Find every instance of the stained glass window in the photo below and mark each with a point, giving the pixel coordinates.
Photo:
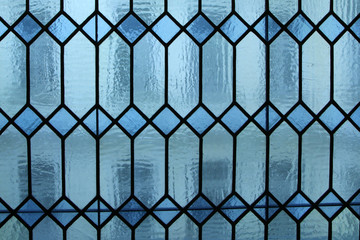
(168, 119)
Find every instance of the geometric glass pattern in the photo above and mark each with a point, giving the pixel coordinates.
(168, 119)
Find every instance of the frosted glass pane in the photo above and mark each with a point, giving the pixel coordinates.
(47, 229)
(314, 227)
(216, 228)
(283, 10)
(114, 10)
(150, 229)
(11, 10)
(250, 10)
(315, 10)
(44, 10)
(148, 10)
(282, 227)
(216, 11)
(81, 229)
(250, 227)
(183, 228)
(79, 10)
(346, 10)
(115, 229)
(14, 229)
(345, 226)
(184, 10)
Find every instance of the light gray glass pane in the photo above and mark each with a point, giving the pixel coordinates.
(314, 227)
(14, 229)
(184, 10)
(81, 229)
(13, 69)
(115, 164)
(183, 228)
(79, 10)
(149, 74)
(250, 10)
(114, 10)
(46, 167)
(217, 164)
(80, 178)
(183, 74)
(283, 162)
(346, 10)
(47, 229)
(250, 73)
(148, 10)
(284, 72)
(345, 226)
(250, 163)
(282, 227)
(11, 10)
(183, 165)
(115, 229)
(316, 72)
(315, 10)
(79, 74)
(44, 10)
(216, 11)
(45, 74)
(217, 74)
(346, 72)
(284, 9)
(250, 227)
(149, 166)
(346, 164)
(315, 161)
(13, 167)
(150, 229)
(216, 228)
(114, 75)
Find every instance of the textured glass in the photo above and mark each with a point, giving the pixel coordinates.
(168, 119)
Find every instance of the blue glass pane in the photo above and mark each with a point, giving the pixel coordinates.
(28, 121)
(27, 28)
(132, 121)
(3, 28)
(166, 211)
(300, 27)
(4, 213)
(234, 119)
(62, 121)
(234, 28)
(266, 207)
(298, 206)
(355, 204)
(355, 27)
(331, 117)
(267, 116)
(62, 28)
(132, 212)
(3, 121)
(166, 29)
(300, 117)
(98, 212)
(102, 29)
(200, 120)
(267, 28)
(166, 121)
(356, 116)
(200, 209)
(200, 29)
(64, 212)
(330, 204)
(30, 212)
(233, 208)
(331, 28)
(131, 28)
(97, 121)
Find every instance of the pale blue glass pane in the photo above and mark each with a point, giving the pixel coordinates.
(3, 29)
(314, 227)
(28, 121)
(44, 10)
(14, 229)
(200, 209)
(62, 121)
(200, 120)
(267, 118)
(331, 28)
(234, 28)
(300, 27)
(234, 119)
(64, 212)
(165, 211)
(355, 27)
(250, 227)
(148, 10)
(300, 117)
(150, 229)
(132, 212)
(216, 11)
(30, 212)
(47, 229)
(233, 208)
(97, 121)
(81, 229)
(166, 29)
(330, 204)
(282, 227)
(132, 121)
(79, 10)
(166, 121)
(216, 228)
(11, 10)
(331, 117)
(298, 206)
(283, 10)
(267, 28)
(102, 28)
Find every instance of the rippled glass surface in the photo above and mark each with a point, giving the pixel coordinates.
(167, 119)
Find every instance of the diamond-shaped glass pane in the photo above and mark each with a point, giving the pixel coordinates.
(200, 120)
(300, 117)
(3, 121)
(266, 207)
(200, 209)
(331, 28)
(64, 212)
(100, 119)
(267, 116)
(233, 28)
(200, 29)
(62, 121)
(62, 28)
(166, 29)
(131, 28)
(30, 212)
(166, 211)
(233, 208)
(355, 204)
(28, 121)
(331, 117)
(102, 29)
(27, 28)
(298, 206)
(132, 121)
(3, 28)
(267, 28)
(355, 28)
(300, 27)
(234, 119)
(4, 212)
(132, 212)
(355, 117)
(330, 204)
(98, 212)
(166, 121)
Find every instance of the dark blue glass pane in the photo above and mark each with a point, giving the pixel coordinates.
(3, 121)
(331, 28)
(298, 206)
(200, 120)
(62, 121)
(233, 208)
(300, 117)
(166, 29)
(267, 28)
(200, 29)
(356, 116)
(132, 121)
(166, 121)
(166, 211)
(132, 212)
(30, 212)
(266, 207)
(331, 117)
(64, 212)
(234, 28)
(330, 204)
(28, 121)
(200, 209)
(93, 212)
(300, 27)
(27, 28)
(62, 28)
(131, 28)
(234, 119)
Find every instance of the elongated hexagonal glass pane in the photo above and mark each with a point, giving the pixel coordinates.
(283, 10)
(14, 229)
(216, 11)
(315, 10)
(282, 227)
(345, 226)
(217, 228)
(250, 227)
(346, 10)
(81, 229)
(11, 10)
(183, 11)
(314, 227)
(79, 10)
(47, 229)
(150, 229)
(114, 10)
(148, 10)
(44, 10)
(183, 228)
